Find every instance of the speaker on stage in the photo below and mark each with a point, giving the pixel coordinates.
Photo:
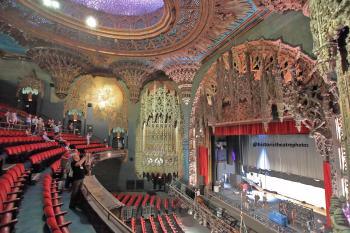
(140, 184)
(130, 184)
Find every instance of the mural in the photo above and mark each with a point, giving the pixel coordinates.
(158, 139)
(106, 96)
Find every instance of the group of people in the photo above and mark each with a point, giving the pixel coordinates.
(159, 179)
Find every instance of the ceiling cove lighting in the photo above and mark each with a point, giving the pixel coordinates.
(91, 22)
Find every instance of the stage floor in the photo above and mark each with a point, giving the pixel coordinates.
(233, 195)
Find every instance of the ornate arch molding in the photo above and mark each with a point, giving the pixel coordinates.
(247, 80)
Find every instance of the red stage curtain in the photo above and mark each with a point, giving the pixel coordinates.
(286, 127)
(203, 163)
(327, 188)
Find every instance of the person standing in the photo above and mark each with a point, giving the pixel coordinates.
(78, 178)
(28, 120)
(88, 137)
(34, 124)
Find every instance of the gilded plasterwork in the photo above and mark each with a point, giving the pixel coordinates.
(158, 140)
(106, 96)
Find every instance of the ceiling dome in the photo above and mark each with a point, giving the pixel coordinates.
(123, 7)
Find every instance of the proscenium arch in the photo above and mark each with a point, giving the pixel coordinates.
(297, 83)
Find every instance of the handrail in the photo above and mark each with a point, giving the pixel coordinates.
(200, 208)
(110, 215)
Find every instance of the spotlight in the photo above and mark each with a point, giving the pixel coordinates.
(91, 22)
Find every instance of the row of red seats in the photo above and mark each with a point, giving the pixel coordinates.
(158, 203)
(89, 146)
(171, 224)
(38, 158)
(12, 133)
(153, 224)
(160, 220)
(145, 200)
(125, 199)
(11, 191)
(7, 140)
(52, 207)
(178, 222)
(131, 200)
(14, 150)
(143, 225)
(56, 167)
(98, 149)
(138, 201)
(133, 225)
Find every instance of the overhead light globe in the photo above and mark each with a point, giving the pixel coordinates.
(47, 3)
(55, 4)
(91, 22)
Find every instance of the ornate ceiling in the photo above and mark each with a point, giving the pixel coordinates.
(155, 29)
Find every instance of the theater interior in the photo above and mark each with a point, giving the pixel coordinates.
(171, 116)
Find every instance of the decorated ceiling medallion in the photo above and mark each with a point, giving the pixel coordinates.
(123, 7)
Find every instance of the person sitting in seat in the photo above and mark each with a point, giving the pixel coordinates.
(46, 138)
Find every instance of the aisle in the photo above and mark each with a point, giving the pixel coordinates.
(30, 217)
(80, 222)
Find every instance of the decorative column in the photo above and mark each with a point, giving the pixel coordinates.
(63, 66)
(183, 75)
(134, 74)
(329, 23)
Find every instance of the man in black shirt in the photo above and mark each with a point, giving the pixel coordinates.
(78, 177)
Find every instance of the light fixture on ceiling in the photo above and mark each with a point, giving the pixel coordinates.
(51, 4)
(91, 22)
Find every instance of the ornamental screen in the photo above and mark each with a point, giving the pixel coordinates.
(159, 147)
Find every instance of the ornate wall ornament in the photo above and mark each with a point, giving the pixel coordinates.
(134, 74)
(158, 140)
(329, 24)
(283, 6)
(32, 83)
(106, 95)
(63, 66)
(245, 82)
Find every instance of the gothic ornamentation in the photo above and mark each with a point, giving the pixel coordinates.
(63, 66)
(159, 133)
(247, 81)
(134, 74)
(329, 24)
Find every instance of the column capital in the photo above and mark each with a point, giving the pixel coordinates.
(183, 75)
(63, 66)
(134, 74)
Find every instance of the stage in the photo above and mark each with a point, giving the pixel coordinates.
(233, 196)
